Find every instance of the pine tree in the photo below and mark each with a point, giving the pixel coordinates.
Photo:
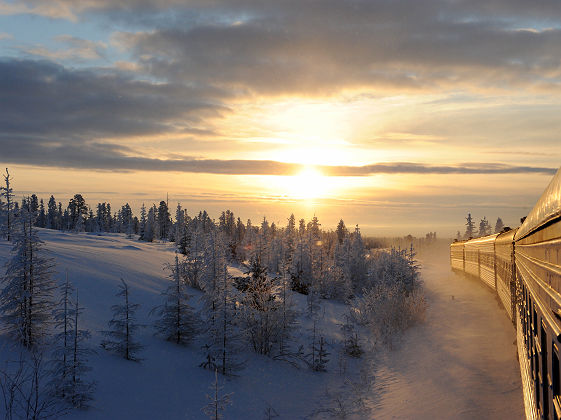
(261, 313)
(52, 213)
(220, 315)
(123, 326)
(26, 300)
(177, 322)
(164, 221)
(69, 361)
(217, 403)
(194, 266)
(499, 226)
(351, 340)
(288, 315)
(484, 228)
(317, 358)
(341, 231)
(142, 228)
(42, 218)
(179, 226)
(8, 193)
(470, 227)
(150, 228)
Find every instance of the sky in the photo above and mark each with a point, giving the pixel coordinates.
(400, 116)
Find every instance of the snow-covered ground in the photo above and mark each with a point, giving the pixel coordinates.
(461, 363)
(169, 383)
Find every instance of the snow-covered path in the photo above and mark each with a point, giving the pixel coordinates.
(460, 364)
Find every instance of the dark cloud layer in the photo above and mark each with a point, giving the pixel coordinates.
(320, 47)
(120, 158)
(47, 101)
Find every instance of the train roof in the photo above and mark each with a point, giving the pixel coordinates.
(506, 237)
(482, 239)
(546, 209)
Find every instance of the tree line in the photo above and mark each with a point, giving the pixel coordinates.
(483, 230)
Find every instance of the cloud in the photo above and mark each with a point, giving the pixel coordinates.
(116, 157)
(54, 104)
(74, 48)
(312, 47)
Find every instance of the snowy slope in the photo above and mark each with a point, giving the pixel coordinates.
(168, 383)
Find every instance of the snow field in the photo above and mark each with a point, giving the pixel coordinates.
(169, 383)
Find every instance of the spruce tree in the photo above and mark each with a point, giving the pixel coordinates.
(69, 361)
(7, 192)
(122, 327)
(217, 403)
(261, 313)
(499, 226)
(26, 299)
(177, 322)
(221, 317)
(470, 227)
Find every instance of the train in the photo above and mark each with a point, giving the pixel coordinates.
(523, 267)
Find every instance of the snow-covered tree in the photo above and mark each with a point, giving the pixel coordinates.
(7, 192)
(150, 228)
(484, 227)
(261, 315)
(194, 264)
(24, 386)
(179, 225)
(79, 226)
(42, 217)
(358, 265)
(77, 210)
(499, 226)
(351, 341)
(217, 403)
(287, 313)
(164, 221)
(52, 214)
(392, 299)
(341, 231)
(26, 298)
(177, 321)
(220, 315)
(318, 356)
(69, 362)
(120, 338)
(301, 270)
(142, 225)
(470, 227)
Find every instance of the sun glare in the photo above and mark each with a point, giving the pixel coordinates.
(308, 184)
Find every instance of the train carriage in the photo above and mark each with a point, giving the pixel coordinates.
(538, 269)
(505, 272)
(457, 255)
(480, 259)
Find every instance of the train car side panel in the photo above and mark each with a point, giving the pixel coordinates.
(505, 272)
(457, 256)
(480, 259)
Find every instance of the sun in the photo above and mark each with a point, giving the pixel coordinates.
(308, 184)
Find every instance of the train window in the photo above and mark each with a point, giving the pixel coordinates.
(544, 371)
(535, 322)
(556, 382)
(537, 379)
